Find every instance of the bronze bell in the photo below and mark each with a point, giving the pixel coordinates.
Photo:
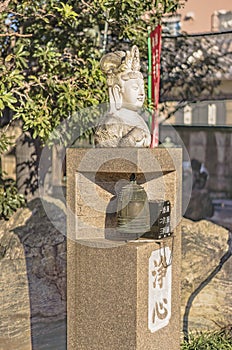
(133, 216)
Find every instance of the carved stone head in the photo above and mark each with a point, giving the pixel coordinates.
(124, 79)
(122, 125)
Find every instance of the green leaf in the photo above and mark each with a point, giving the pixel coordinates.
(2, 106)
(9, 58)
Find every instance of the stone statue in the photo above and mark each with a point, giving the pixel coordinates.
(122, 126)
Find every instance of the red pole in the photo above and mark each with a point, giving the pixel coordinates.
(155, 36)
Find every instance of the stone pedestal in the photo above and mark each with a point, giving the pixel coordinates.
(121, 295)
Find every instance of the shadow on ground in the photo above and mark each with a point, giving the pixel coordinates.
(45, 253)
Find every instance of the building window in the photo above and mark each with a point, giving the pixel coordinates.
(187, 115)
(171, 25)
(225, 20)
(221, 21)
(212, 111)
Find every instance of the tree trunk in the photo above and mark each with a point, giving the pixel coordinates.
(28, 153)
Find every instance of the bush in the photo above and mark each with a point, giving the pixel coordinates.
(10, 199)
(220, 340)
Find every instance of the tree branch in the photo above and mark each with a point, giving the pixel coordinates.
(16, 34)
(4, 5)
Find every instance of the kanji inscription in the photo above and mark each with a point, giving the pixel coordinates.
(159, 293)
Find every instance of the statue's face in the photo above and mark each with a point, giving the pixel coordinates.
(133, 94)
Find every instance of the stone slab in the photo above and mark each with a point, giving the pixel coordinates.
(95, 176)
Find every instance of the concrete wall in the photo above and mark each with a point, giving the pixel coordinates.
(211, 146)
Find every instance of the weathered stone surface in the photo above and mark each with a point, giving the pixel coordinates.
(206, 275)
(14, 291)
(33, 274)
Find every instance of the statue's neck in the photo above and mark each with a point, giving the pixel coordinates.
(126, 113)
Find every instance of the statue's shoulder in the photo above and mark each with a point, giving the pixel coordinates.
(109, 131)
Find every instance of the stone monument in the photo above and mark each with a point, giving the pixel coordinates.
(123, 293)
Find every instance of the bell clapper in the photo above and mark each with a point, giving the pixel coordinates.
(133, 177)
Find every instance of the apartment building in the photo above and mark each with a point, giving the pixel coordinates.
(205, 126)
(211, 22)
(206, 16)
